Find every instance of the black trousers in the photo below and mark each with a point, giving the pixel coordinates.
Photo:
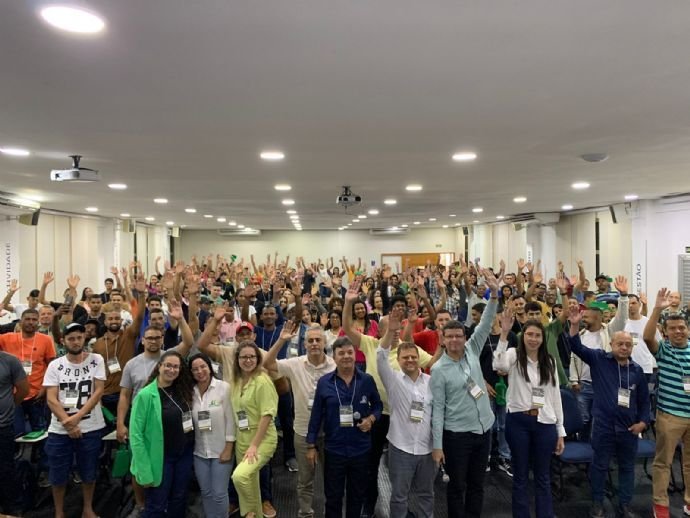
(466, 457)
(340, 472)
(378, 440)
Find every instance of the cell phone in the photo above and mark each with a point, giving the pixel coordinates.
(373, 263)
(69, 299)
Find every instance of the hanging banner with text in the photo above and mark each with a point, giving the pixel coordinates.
(9, 241)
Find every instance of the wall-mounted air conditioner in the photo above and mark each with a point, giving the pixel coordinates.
(234, 232)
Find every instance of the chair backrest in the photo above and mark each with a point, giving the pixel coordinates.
(571, 413)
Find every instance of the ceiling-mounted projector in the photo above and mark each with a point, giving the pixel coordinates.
(75, 174)
(347, 199)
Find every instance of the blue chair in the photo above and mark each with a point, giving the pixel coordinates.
(576, 452)
(646, 449)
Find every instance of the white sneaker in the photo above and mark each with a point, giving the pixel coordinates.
(686, 510)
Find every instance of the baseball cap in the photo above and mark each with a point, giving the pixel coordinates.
(205, 299)
(603, 276)
(73, 327)
(246, 325)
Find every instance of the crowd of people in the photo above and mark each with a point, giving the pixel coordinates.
(203, 369)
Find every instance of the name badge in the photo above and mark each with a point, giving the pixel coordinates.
(187, 423)
(686, 384)
(113, 365)
(242, 421)
(417, 411)
(293, 352)
(204, 420)
(474, 389)
(346, 416)
(538, 399)
(71, 398)
(624, 397)
(26, 365)
(215, 367)
(310, 401)
(636, 339)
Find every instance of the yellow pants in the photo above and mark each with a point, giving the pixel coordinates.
(669, 430)
(246, 476)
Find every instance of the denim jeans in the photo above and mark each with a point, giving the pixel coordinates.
(584, 402)
(286, 415)
(213, 478)
(606, 442)
(341, 472)
(411, 474)
(532, 444)
(500, 429)
(8, 487)
(466, 455)
(169, 499)
(37, 413)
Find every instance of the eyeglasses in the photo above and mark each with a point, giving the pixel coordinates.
(247, 358)
(313, 340)
(152, 337)
(171, 366)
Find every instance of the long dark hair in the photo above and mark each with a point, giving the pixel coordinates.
(545, 361)
(334, 312)
(183, 384)
(367, 320)
(205, 359)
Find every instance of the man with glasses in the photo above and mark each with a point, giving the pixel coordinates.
(462, 417)
(134, 377)
(304, 373)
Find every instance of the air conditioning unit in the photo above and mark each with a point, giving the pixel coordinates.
(390, 231)
(234, 232)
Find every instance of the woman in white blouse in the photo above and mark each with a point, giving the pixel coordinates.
(214, 431)
(534, 423)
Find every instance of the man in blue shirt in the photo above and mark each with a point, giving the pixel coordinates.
(347, 404)
(620, 412)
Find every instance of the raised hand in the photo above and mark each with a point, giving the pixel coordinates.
(113, 270)
(621, 284)
(520, 264)
(491, 280)
(48, 277)
(506, 319)
(395, 319)
(323, 318)
(662, 301)
(73, 281)
(643, 298)
(537, 277)
(175, 310)
(219, 312)
(575, 316)
(192, 283)
(561, 266)
(289, 331)
(140, 284)
(561, 282)
(352, 293)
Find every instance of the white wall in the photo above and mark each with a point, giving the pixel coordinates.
(315, 244)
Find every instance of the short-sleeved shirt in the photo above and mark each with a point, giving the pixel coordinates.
(67, 376)
(11, 373)
(674, 364)
(136, 373)
(121, 349)
(257, 399)
(37, 350)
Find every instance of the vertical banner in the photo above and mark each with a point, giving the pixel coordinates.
(640, 214)
(9, 241)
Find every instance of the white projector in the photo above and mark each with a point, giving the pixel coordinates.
(74, 175)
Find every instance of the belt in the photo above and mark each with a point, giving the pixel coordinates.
(534, 412)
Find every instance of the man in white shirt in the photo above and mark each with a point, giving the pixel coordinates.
(304, 373)
(410, 464)
(74, 385)
(635, 326)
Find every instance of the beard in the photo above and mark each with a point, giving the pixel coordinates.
(114, 328)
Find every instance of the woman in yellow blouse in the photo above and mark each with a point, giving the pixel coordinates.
(255, 404)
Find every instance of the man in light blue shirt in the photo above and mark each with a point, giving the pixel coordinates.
(462, 416)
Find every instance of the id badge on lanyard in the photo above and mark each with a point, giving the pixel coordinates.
(417, 411)
(187, 422)
(71, 398)
(624, 397)
(686, 384)
(204, 420)
(26, 365)
(538, 398)
(346, 416)
(113, 365)
(474, 389)
(242, 420)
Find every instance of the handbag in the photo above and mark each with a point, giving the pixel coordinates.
(121, 462)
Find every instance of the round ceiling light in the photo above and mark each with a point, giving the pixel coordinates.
(71, 19)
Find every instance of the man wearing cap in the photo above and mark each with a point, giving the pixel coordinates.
(74, 385)
(604, 292)
(596, 335)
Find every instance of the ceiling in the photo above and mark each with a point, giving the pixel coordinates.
(177, 99)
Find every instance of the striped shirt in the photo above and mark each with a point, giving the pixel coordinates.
(674, 365)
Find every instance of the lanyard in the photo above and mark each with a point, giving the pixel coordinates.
(354, 390)
(33, 342)
(263, 336)
(106, 347)
(675, 359)
(619, 375)
(174, 403)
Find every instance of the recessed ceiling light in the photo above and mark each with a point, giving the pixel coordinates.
(355, 220)
(631, 197)
(594, 157)
(272, 156)
(294, 217)
(190, 211)
(567, 207)
(14, 151)
(477, 210)
(395, 228)
(291, 211)
(500, 217)
(580, 185)
(240, 226)
(91, 209)
(220, 220)
(390, 201)
(299, 229)
(432, 219)
(451, 215)
(169, 223)
(519, 199)
(282, 187)
(415, 222)
(362, 216)
(374, 212)
(476, 221)
(349, 224)
(444, 226)
(341, 228)
(232, 223)
(208, 216)
(150, 218)
(160, 200)
(72, 20)
(415, 187)
(124, 214)
(118, 186)
(464, 156)
(288, 202)
(405, 225)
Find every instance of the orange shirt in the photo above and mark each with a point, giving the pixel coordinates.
(38, 350)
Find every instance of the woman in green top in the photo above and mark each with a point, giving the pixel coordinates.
(161, 435)
(255, 403)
